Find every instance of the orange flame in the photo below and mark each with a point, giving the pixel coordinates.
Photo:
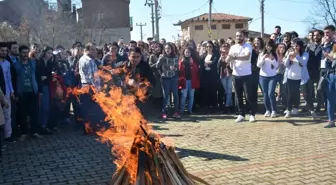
(123, 115)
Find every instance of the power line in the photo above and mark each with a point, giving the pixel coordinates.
(175, 15)
(284, 19)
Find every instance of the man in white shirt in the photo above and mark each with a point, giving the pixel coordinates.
(240, 60)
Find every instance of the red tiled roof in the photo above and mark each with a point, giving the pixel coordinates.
(217, 17)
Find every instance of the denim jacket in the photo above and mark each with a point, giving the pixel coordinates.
(20, 76)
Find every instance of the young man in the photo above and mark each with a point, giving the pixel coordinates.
(138, 71)
(7, 88)
(315, 49)
(240, 59)
(27, 92)
(278, 35)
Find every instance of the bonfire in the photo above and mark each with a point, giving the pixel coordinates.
(141, 157)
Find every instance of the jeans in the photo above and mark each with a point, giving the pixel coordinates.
(293, 92)
(170, 85)
(242, 84)
(8, 119)
(331, 93)
(283, 91)
(268, 85)
(28, 107)
(190, 92)
(44, 107)
(307, 90)
(227, 85)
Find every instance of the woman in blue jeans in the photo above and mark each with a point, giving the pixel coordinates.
(268, 64)
(225, 75)
(189, 79)
(168, 67)
(44, 76)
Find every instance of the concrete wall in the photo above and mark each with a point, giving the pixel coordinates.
(189, 31)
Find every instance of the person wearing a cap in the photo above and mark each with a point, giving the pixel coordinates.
(7, 88)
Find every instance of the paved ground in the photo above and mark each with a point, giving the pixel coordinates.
(271, 151)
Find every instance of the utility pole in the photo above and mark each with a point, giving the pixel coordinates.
(209, 18)
(141, 25)
(157, 18)
(262, 11)
(151, 4)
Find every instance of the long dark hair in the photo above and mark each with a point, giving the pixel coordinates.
(45, 50)
(261, 41)
(213, 47)
(301, 44)
(172, 54)
(272, 44)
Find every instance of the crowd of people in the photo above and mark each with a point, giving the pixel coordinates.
(185, 77)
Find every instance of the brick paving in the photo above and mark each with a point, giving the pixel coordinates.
(271, 151)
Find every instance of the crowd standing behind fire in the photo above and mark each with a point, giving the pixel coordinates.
(184, 76)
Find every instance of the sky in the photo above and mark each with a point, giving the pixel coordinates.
(289, 14)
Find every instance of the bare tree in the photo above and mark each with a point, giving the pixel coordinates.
(325, 11)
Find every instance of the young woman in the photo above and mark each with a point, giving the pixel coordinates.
(168, 65)
(258, 47)
(44, 76)
(225, 75)
(296, 73)
(331, 90)
(188, 79)
(282, 95)
(209, 77)
(268, 64)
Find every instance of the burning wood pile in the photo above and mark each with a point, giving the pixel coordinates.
(141, 158)
(157, 164)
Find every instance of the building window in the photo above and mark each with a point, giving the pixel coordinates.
(239, 26)
(198, 27)
(226, 26)
(213, 27)
(100, 16)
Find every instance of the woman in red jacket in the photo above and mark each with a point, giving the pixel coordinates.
(189, 79)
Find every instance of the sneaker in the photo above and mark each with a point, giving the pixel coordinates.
(330, 124)
(164, 116)
(176, 115)
(239, 119)
(274, 114)
(295, 111)
(288, 114)
(267, 114)
(37, 136)
(10, 140)
(23, 137)
(252, 119)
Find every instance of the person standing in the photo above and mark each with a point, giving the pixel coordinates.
(27, 91)
(43, 70)
(209, 77)
(7, 88)
(225, 75)
(240, 61)
(168, 65)
(87, 70)
(3, 105)
(189, 79)
(296, 74)
(268, 64)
